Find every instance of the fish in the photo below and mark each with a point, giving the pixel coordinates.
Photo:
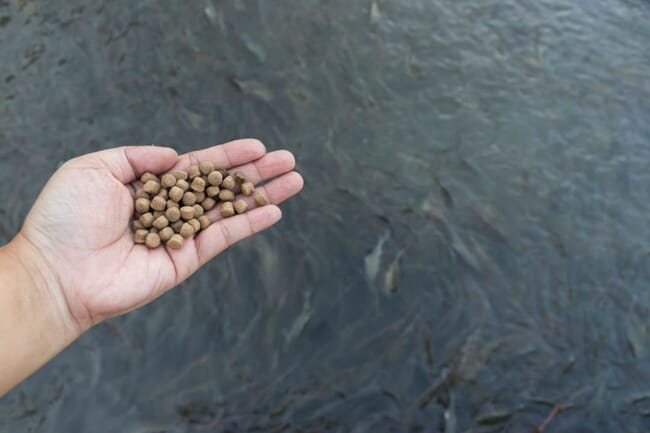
(391, 278)
(373, 260)
(300, 322)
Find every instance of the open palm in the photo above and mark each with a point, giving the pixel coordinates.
(80, 224)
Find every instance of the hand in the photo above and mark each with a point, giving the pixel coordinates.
(79, 228)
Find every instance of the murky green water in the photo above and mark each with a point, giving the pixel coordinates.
(500, 147)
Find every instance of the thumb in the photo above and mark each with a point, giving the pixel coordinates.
(128, 163)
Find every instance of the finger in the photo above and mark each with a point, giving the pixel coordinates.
(128, 163)
(275, 192)
(270, 165)
(226, 155)
(225, 233)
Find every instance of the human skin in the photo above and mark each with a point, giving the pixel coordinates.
(74, 263)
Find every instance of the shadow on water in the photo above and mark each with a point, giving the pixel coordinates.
(470, 252)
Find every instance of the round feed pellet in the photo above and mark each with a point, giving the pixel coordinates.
(173, 214)
(239, 177)
(146, 219)
(198, 210)
(168, 180)
(175, 242)
(141, 194)
(228, 183)
(152, 240)
(187, 212)
(161, 222)
(171, 203)
(240, 206)
(157, 214)
(147, 176)
(180, 175)
(206, 167)
(163, 193)
(183, 184)
(196, 225)
(142, 205)
(189, 198)
(215, 178)
(193, 172)
(208, 203)
(198, 184)
(151, 187)
(177, 225)
(187, 230)
(137, 225)
(158, 203)
(226, 195)
(227, 209)
(205, 222)
(260, 199)
(212, 191)
(166, 234)
(247, 188)
(140, 235)
(200, 196)
(176, 193)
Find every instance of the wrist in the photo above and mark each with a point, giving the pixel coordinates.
(41, 288)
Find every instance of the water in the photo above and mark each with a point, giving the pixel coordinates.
(502, 145)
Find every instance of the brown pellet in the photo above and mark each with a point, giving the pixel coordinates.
(153, 230)
(177, 226)
(206, 167)
(166, 234)
(142, 205)
(247, 188)
(193, 172)
(240, 206)
(195, 224)
(198, 184)
(171, 203)
(227, 209)
(161, 222)
(187, 230)
(147, 176)
(226, 195)
(183, 184)
(152, 240)
(151, 187)
(260, 199)
(208, 203)
(146, 219)
(200, 196)
(228, 183)
(158, 203)
(141, 194)
(180, 175)
(215, 178)
(239, 177)
(205, 222)
(168, 180)
(137, 225)
(176, 193)
(212, 191)
(140, 235)
(175, 242)
(189, 198)
(157, 214)
(173, 214)
(187, 212)
(198, 210)
(163, 193)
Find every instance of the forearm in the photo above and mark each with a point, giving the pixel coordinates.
(33, 322)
